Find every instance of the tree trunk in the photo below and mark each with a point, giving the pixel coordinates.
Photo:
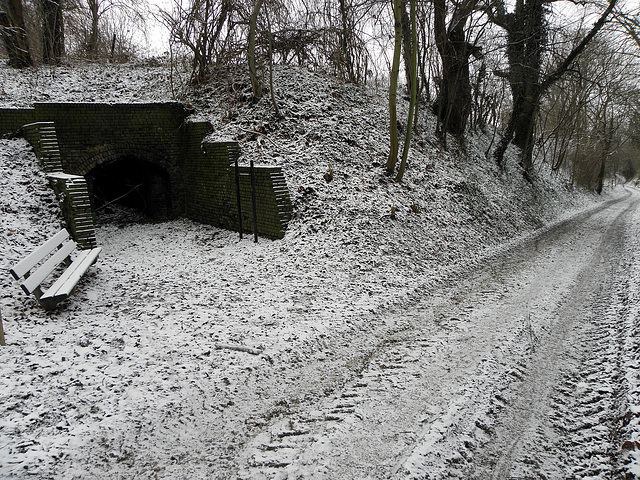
(345, 42)
(52, 31)
(479, 119)
(526, 34)
(525, 110)
(453, 104)
(406, 43)
(527, 39)
(14, 34)
(92, 41)
(413, 77)
(256, 85)
(393, 91)
(201, 50)
(609, 132)
(271, 89)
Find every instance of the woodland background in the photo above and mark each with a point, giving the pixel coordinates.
(557, 79)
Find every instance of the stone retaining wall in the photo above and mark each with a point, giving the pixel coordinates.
(202, 183)
(12, 119)
(71, 189)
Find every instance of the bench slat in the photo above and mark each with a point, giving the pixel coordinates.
(24, 266)
(64, 285)
(44, 270)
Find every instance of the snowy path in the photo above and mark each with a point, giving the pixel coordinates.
(187, 354)
(513, 368)
(511, 372)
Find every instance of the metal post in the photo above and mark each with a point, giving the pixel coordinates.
(2, 342)
(238, 198)
(253, 203)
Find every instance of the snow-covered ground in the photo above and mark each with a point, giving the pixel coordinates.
(185, 348)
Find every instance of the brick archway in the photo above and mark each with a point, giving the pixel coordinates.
(159, 180)
(103, 154)
(174, 148)
(134, 182)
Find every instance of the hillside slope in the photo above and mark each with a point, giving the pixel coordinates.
(453, 203)
(184, 341)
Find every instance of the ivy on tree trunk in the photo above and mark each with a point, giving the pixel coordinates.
(14, 34)
(453, 104)
(527, 37)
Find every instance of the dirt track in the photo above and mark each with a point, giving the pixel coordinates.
(513, 370)
(516, 367)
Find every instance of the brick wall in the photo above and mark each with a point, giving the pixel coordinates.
(44, 140)
(91, 134)
(12, 119)
(76, 208)
(71, 189)
(202, 182)
(211, 187)
(273, 204)
(206, 174)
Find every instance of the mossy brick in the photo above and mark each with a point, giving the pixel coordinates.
(201, 172)
(12, 119)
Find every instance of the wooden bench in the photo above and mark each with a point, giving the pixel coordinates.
(47, 258)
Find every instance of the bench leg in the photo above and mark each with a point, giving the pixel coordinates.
(49, 303)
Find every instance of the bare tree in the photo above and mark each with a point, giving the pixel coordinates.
(413, 82)
(199, 26)
(346, 36)
(453, 104)
(272, 90)
(14, 34)
(628, 21)
(256, 85)
(526, 36)
(393, 89)
(93, 22)
(52, 31)
(588, 116)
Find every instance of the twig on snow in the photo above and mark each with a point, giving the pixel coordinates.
(239, 348)
(2, 342)
(267, 138)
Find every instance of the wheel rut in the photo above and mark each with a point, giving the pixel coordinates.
(563, 421)
(509, 372)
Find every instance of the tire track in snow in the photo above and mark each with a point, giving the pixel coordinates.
(433, 399)
(562, 419)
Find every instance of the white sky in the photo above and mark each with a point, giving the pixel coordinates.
(158, 36)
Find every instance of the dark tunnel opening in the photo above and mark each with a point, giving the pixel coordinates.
(132, 183)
